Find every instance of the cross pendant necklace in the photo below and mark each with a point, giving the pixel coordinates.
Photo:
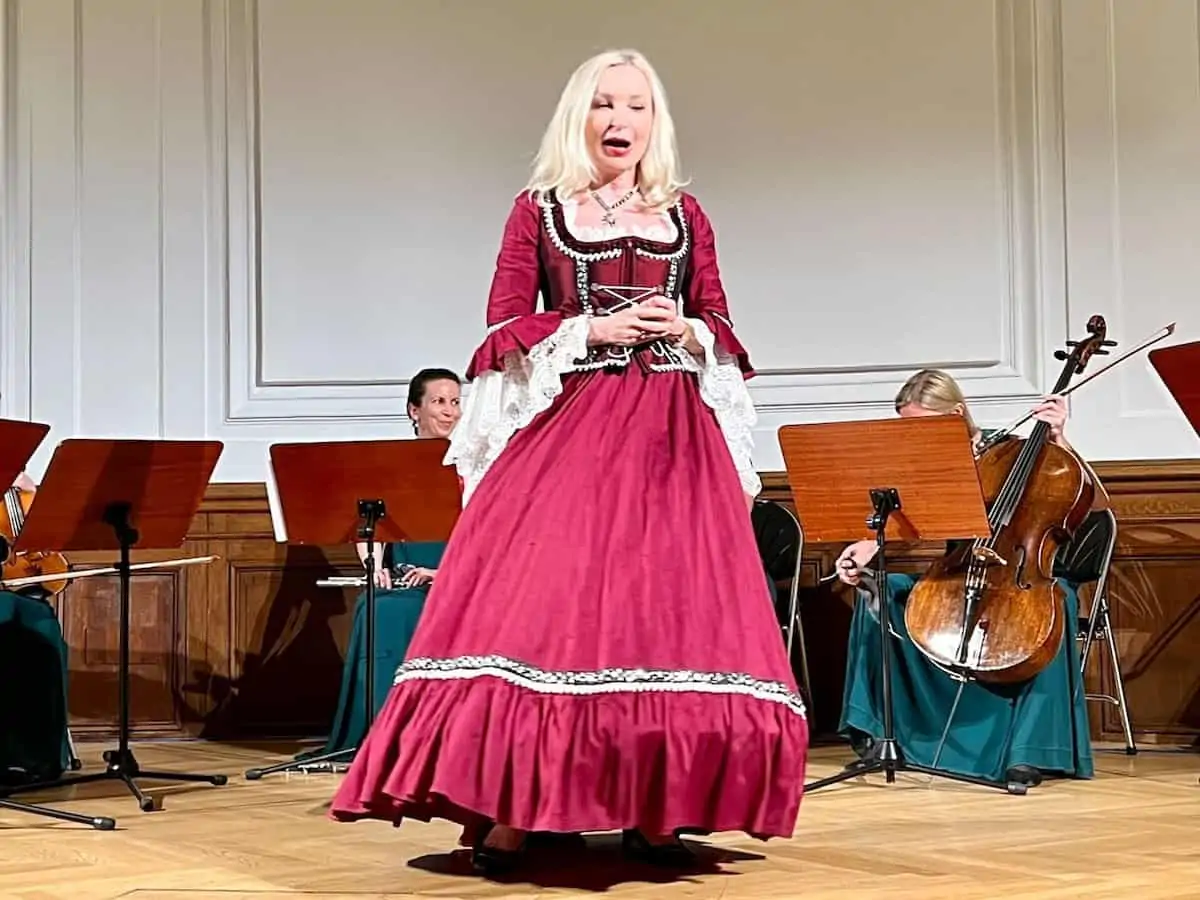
(609, 218)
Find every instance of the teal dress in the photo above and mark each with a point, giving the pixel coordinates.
(396, 616)
(1042, 723)
(34, 745)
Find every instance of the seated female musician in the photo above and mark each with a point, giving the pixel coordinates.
(433, 407)
(33, 655)
(1001, 733)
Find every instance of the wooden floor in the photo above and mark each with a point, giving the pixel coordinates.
(1132, 832)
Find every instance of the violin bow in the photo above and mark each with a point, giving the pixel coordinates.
(1161, 334)
(107, 570)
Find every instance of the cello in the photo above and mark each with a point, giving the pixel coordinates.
(991, 609)
(28, 564)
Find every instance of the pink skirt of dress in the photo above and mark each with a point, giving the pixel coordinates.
(599, 650)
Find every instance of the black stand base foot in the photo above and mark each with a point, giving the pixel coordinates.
(886, 757)
(123, 766)
(100, 823)
(325, 760)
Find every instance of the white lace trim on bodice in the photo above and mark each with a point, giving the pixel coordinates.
(499, 404)
(661, 228)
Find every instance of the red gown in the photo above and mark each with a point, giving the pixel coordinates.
(599, 650)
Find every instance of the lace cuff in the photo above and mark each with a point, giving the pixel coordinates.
(501, 403)
(723, 389)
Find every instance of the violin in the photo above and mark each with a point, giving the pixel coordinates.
(28, 564)
(991, 609)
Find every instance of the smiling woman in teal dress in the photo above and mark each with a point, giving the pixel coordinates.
(1002, 733)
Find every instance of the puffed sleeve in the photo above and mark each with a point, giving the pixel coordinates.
(514, 324)
(724, 365)
(703, 294)
(518, 370)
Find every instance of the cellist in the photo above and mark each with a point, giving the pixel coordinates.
(1009, 733)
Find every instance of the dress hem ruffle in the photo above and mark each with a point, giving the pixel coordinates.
(481, 748)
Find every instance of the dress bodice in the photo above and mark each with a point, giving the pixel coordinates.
(603, 276)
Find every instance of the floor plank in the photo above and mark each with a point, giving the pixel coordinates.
(1131, 832)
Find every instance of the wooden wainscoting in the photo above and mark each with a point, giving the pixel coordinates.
(249, 646)
(246, 646)
(1154, 589)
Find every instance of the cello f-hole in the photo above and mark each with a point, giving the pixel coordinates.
(1022, 558)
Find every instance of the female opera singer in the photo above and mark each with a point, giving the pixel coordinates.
(1011, 733)
(599, 651)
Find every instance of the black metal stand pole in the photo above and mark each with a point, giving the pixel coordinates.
(370, 511)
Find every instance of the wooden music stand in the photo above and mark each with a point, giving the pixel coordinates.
(18, 442)
(117, 495)
(891, 479)
(1179, 369)
(339, 492)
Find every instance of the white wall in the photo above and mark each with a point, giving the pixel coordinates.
(254, 220)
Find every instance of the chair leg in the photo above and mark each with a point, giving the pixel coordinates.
(1118, 681)
(798, 627)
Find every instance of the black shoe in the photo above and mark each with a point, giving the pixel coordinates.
(491, 861)
(1023, 774)
(673, 855)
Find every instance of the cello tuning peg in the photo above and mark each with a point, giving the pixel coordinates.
(1060, 355)
(1108, 343)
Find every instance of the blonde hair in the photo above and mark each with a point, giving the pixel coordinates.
(564, 167)
(937, 392)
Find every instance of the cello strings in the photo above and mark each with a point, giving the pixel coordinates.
(1006, 503)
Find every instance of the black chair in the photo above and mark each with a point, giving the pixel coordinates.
(780, 542)
(1085, 560)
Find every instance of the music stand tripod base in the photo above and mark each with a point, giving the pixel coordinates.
(100, 823)
(168, 479)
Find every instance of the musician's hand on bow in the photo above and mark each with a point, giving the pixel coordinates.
(417, 576)
(24, 483)
(851, 561)
(1053, 411)
(629, 327)
(383, 579)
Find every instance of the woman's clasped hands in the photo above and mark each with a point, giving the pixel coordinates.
(652, 319)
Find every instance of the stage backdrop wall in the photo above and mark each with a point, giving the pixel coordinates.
(253, 220)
